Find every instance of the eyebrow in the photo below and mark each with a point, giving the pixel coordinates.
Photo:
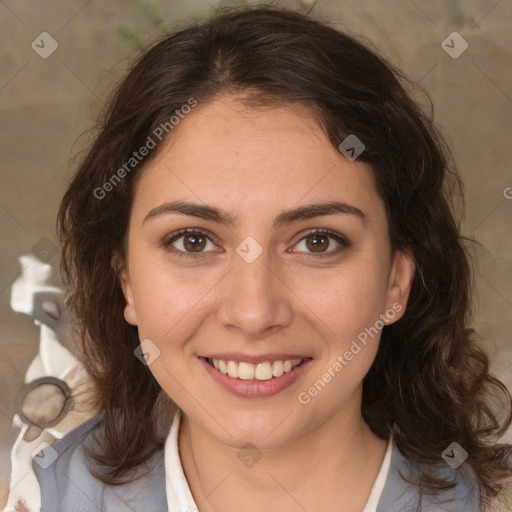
(286, 217)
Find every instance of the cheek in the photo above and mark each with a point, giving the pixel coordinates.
(172, 307)
(347, 300)
(345, 310)
(169, 311)
(166, 308)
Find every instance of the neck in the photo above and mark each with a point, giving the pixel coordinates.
(338, 460)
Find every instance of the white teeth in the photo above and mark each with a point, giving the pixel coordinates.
(223, 366)
(263, 371)
(245, 371)
(277, 368)
(233, 369)
(260, 371)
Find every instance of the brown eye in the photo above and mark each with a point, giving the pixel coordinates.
(190, 242)
(317, 243)
(194, 243)
(322, 243)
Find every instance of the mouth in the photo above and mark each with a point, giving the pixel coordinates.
(263, 371)
(255, 380)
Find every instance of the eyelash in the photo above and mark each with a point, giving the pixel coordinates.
(344, 242)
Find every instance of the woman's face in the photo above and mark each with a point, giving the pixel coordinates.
(252, 283)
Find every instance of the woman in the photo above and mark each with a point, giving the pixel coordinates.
(272, 290)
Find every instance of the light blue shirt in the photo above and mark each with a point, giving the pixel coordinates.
(68, 486)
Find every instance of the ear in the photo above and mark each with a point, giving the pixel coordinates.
(399, 285)
(121, 269)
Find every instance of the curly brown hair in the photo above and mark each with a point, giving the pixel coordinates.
(430, 380)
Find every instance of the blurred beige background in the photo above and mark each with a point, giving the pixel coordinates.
(46, 105)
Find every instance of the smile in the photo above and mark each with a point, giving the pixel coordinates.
(249, 371)
(255, 380)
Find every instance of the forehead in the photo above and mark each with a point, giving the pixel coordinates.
(225, 152)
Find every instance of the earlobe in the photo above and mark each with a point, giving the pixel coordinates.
(400, 283)
(121, 270)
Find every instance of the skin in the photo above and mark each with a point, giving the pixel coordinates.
(255, 163)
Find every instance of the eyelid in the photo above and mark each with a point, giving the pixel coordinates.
(343, 241)
(188, 231)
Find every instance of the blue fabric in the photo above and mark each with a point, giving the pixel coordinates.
(399, 496)
(68, 486)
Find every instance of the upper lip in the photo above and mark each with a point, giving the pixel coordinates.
(259, 358)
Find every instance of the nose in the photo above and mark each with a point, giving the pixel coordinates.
(255, 299)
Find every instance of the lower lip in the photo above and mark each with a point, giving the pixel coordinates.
(255, 388)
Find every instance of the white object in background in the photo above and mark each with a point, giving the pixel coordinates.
(45, 304)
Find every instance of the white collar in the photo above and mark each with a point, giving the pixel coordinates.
(380, 482)
(179, 496)
(178, 492)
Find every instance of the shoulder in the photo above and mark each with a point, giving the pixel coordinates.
(67, 485)
(400, 496)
